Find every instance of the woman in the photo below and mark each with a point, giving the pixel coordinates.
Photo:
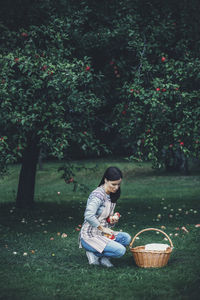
(96, 227)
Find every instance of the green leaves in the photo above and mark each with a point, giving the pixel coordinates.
(121, 69)
(46, 91)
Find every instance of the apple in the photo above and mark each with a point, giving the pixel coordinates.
(24, 34)
(163, 59)
(44, 67)
(115, 217)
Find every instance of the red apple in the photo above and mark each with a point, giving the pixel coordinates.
(163, 59)
(44, 67)
(117, 214)
(158, 89)
(24, 34)
(87, 68)
(108, 219)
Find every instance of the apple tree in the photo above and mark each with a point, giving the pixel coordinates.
(48, 98)
(159, 113)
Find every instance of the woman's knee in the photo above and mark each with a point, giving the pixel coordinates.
(128, 238)
(120, 251)
(124, 238)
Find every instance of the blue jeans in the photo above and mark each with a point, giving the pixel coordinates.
(116, 248)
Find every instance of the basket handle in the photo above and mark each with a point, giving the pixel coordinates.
(149, 229)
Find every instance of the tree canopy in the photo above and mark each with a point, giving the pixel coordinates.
(120, 76)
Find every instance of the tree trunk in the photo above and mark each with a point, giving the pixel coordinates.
(40, 164)
(26, 186)
(186, 167)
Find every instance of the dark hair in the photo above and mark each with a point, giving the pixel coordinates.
(112, 174)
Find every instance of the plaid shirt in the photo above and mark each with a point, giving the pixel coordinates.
(99, 207)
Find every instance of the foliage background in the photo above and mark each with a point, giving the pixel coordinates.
(89, 78)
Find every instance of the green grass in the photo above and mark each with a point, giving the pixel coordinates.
(55, 268)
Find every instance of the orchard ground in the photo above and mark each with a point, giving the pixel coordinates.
(40, 258)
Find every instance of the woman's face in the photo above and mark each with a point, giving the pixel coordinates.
(112, 186)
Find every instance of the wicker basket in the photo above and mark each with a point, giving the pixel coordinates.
(150, 258)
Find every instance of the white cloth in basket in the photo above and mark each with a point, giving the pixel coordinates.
(156, 247)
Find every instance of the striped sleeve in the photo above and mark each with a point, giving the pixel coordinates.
(91, 210)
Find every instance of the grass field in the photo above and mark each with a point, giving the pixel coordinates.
(38, 263)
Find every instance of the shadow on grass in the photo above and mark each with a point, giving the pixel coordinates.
(62, 215)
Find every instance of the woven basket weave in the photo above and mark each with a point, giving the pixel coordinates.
(150, 258)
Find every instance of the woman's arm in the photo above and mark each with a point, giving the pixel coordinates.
(90, 214)
(91, 210)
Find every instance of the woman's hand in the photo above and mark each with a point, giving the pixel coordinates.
(105, 230)
(113, 220)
